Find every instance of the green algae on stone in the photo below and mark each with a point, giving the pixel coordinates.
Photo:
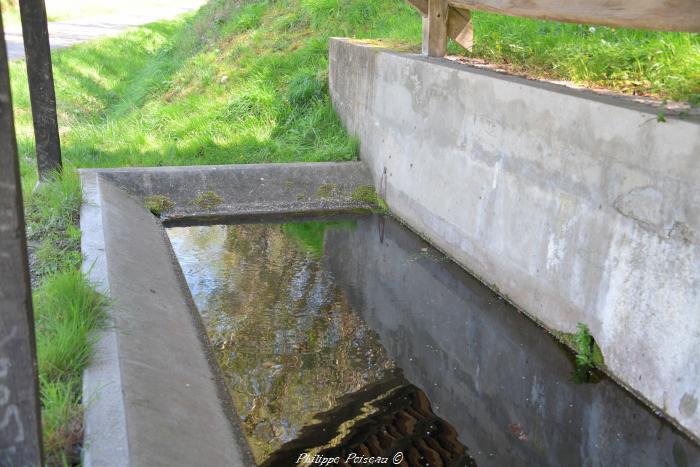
(158, 203)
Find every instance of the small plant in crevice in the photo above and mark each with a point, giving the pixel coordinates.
(588, 355)
(584, 347)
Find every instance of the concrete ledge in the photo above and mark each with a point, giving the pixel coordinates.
(153, 393)
(247, 189)
(152, 396)
(574, 206)
(105, 421)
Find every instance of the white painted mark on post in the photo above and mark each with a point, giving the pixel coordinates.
(9, 412)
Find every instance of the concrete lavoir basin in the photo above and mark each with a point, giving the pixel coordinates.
(155, 394)
(353, 335)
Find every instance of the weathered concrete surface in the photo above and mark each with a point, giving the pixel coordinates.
(247, 190)
(497, 377)
(153, 392)
(576, 207)
(152, 395)
(105, 420)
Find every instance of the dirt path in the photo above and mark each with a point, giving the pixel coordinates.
(71, 32)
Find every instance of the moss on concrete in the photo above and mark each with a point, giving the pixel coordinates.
(365, 194)
(382, 207)
(326, 190)
(207, 200)
(158, 203)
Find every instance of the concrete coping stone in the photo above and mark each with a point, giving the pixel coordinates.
(653, 106)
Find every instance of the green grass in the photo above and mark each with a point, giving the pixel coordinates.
(247, 83)
(662, 64)
(66, 309)
(52, 214)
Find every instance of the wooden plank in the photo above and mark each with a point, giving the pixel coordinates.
(459, 25)
(41, 87)
(661, 15)
(20, 417)
(436, 34)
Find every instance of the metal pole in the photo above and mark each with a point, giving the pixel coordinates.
(20, 410)
(41, 89)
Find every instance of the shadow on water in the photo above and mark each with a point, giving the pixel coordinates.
(357, 338)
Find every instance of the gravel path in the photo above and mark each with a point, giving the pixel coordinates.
(71, 32)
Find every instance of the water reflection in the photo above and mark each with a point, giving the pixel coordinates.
(289, 344)
(330, 335)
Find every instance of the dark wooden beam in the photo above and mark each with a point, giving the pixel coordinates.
(20, 413)
(41, 88)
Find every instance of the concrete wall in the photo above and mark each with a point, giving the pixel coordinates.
(576, 207)
(486, 367)
(246, 190)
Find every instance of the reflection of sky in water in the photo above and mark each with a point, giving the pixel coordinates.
(192, 244)
(284, 334)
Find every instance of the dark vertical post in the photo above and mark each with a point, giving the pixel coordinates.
(41, 90)
(20, 416)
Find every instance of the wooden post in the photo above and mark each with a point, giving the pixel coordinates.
(437, 28)
(41, 89)
(20, 413)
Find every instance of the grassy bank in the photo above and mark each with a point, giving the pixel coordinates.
(66, 310)
(246, 83)
(660, 64)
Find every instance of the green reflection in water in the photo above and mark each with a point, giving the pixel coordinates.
(310, 235)
(284, 335)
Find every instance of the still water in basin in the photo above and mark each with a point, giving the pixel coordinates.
(356, 339)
